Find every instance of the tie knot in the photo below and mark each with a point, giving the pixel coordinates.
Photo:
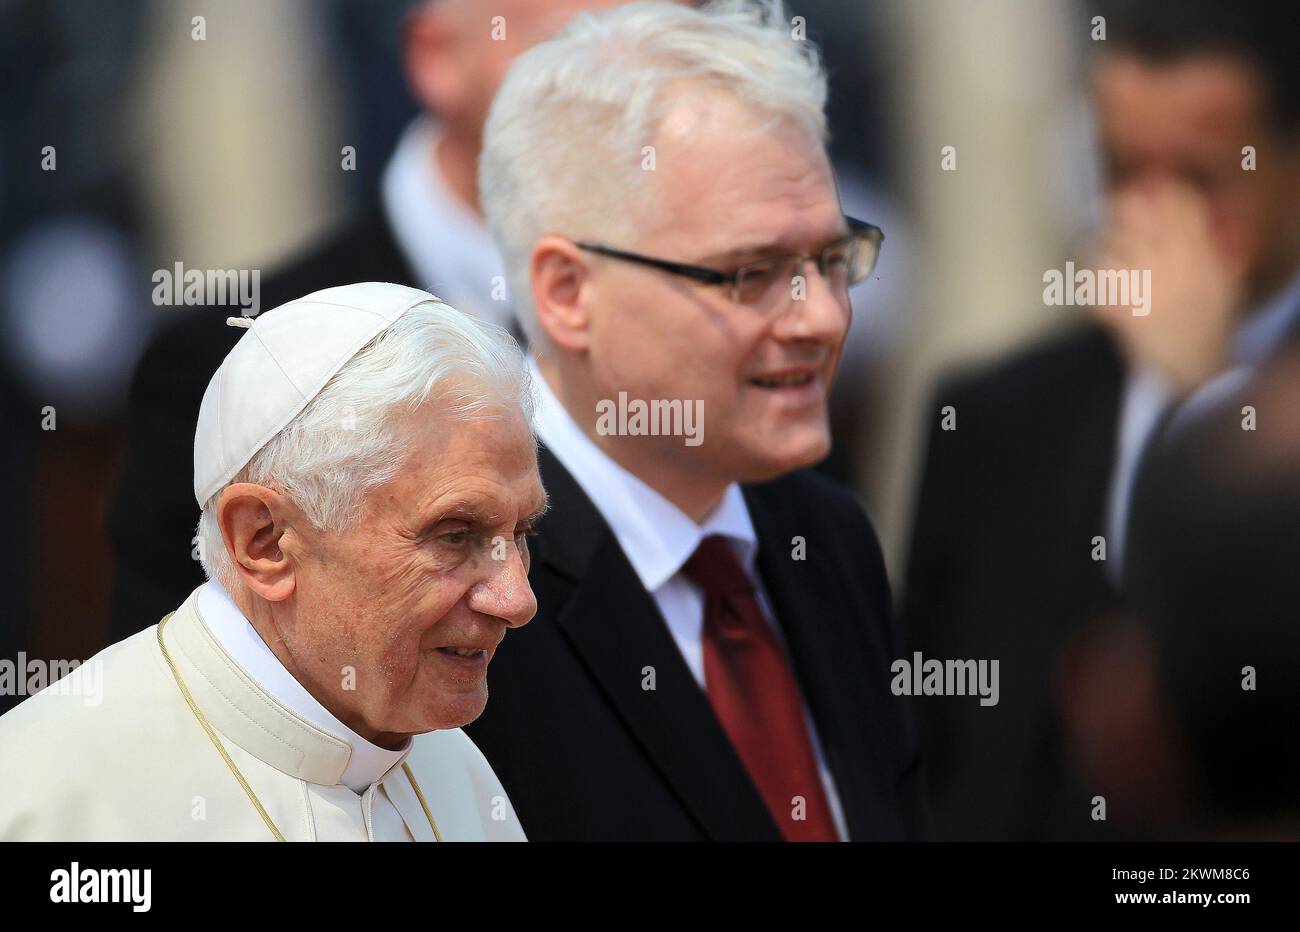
(716, 569)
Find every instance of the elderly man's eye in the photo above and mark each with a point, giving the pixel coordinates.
(521, 545)
(456, 538)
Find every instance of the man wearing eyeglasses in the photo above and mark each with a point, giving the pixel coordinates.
(711, 657)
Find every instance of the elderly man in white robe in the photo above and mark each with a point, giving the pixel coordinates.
(367, 474)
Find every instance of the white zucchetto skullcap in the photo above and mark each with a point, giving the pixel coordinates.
(280, 364)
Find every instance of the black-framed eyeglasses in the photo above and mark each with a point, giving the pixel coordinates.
(769, 283)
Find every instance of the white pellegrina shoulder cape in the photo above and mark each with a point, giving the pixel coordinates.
(113, 752)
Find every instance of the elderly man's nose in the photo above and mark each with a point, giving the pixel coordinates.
(505, 593)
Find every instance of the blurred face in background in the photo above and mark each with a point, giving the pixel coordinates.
(730, 187)
(1187, 120)
(458, 51)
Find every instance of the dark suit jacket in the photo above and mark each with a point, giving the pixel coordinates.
(1001, 568)
(585, 753)
(18, 469)
(154, 515)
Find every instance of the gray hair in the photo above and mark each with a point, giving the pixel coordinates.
(562, 146)
(344, 443)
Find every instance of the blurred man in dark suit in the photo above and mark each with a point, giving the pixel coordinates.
(422, 229)
(1182, 713)
(1020, 528)
(711, 658)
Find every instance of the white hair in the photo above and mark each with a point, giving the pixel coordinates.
(563, 143)
(345, 442)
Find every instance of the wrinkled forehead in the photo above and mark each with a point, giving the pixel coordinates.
(489, 459)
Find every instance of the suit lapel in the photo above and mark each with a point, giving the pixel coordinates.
(614, 626)
(1089, 469)
(815, 614)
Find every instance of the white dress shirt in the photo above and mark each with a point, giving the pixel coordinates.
(1147, 394)
(445, 240)
(658, 538)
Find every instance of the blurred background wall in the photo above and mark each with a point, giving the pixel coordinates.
(998, 81)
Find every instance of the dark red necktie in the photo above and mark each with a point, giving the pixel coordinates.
(755, 695)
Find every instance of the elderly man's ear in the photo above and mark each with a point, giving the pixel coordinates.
(255, 531)
(559, 276)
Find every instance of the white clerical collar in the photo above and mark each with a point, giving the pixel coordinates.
(446, 242)
(369, 762)
(656, 535)
(1264, 330)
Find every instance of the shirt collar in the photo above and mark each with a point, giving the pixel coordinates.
(446, 242)
(368, 763)
(1268, 326)
(656, 535)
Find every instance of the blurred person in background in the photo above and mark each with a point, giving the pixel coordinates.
(1182, 711)
(1004, 556)
(711, 658)
(423, 228)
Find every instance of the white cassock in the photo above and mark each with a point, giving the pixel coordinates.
(115, 753)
